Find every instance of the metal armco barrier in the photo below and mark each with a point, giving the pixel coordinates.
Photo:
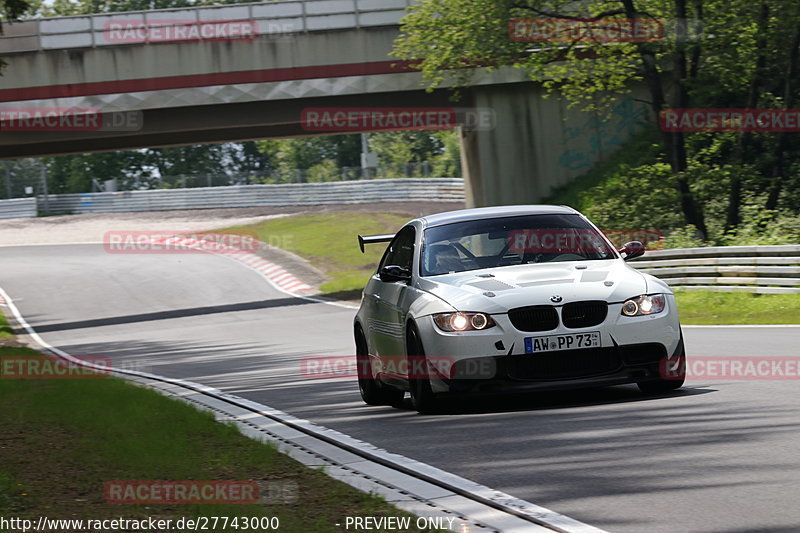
(339, 192)
(773, 269)
(18, 208)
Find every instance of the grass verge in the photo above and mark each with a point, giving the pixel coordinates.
(6, 333)
(710, 308)
(62, 439)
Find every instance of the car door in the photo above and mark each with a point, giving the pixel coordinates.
(389, 300)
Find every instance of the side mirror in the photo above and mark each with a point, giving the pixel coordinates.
(632, 250)
(392, 273)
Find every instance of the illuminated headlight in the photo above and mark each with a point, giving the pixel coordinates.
(647, 304)
(463, 321)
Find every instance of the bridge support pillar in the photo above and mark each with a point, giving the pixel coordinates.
(537, 144)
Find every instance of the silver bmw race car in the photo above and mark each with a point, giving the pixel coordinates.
(508, 299)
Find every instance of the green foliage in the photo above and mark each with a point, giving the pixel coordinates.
(640, 150)
(445, 36)
(11, 10)
(6, 332)
(324, 155)
(736, 53)
(397, 147)
(324, 171)
(448, 35)
(14, 9)
(154, 167)
(626, 193)
(685, 237)
(635, 198)
(764, 227)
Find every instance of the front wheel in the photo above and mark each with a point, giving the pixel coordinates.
(422, 397)
(372, 391)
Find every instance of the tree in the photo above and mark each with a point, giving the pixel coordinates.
(323, 153)
(397, 149)
(12, 10)
(77, 173)
(752, 61)
(447, 37)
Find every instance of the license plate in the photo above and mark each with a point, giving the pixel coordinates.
(554, 343)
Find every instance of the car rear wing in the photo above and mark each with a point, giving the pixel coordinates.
(372, 239)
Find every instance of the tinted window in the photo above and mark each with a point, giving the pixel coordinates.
(511, 241)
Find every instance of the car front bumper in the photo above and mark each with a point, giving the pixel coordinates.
(632, 350)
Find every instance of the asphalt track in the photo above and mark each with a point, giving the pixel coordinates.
(717, 456)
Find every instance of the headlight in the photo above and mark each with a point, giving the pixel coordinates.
(647, 304)
(463, 321)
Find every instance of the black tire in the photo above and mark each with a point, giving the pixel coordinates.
(373, 392)
(676, 372)
(423, 398)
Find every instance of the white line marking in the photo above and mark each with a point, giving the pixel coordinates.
(48, 244)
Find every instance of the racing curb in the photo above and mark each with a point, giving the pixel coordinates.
(415, 487)
(277, 275)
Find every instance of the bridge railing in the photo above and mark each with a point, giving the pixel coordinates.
(769, 269)
(265, 20)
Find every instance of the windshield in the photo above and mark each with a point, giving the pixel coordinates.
(511, 241)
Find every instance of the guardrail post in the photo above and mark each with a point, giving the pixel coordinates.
(8, 179)
(43, 177)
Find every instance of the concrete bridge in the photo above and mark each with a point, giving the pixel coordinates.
(252, 71)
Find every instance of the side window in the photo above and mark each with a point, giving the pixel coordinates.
(401, 249)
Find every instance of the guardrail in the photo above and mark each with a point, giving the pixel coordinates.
(770, 269)
(265, 19)
(18, 208)
(340, 192)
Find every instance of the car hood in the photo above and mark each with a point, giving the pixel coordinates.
(496, 290)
